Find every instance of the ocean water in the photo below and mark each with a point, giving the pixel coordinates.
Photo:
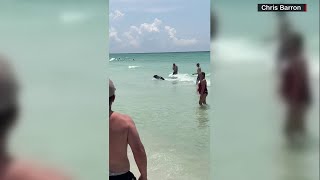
(172, 126)
(58, 49)
(247, 121)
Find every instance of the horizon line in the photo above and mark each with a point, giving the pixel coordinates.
(156, 52)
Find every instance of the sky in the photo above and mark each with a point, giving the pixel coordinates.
(140, 26)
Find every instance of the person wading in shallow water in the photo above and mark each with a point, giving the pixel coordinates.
(202, 89)
(175, 69)
(198, 73)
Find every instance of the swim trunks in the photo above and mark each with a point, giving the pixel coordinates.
(205, 89)
(302, 93)
(126, 176)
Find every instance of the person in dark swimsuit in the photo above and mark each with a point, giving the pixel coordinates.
(295, 87)
(175, 69)
(202, 89)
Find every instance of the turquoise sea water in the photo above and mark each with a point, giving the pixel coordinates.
(173, 128)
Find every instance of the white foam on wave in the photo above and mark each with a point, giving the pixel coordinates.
(240, 50)
(133, 67)
(112, 59)
(196, 75)
(71, 17)
(187, 78)
(233, 50)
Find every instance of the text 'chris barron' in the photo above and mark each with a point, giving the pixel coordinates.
(282, 7)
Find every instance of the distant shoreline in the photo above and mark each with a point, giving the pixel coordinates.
(160, 52)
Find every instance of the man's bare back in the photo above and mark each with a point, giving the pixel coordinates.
(22, 170)
(123, 132)
(118, 142)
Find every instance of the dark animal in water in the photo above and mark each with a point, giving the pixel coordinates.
(158, 77)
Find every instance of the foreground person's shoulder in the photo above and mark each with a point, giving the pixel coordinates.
(123, 116)
(127, 118)
(32, 171)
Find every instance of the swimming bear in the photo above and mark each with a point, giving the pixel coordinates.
(158, 77)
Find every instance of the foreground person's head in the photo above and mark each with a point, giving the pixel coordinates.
(296, 44)
(213, 26)
(203, 75)
(11, 167)
(8, 98)
(198, 65)
(112, 91)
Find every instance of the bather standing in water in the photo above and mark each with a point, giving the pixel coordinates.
(202, 89)
(175, 69)
(199, 71)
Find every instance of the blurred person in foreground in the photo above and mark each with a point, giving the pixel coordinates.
(123, 132)
(295, 88)
(12, 168)
(213, 26)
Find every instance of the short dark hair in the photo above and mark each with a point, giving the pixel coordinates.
(111, 99)
(296, 42)
(7, 119)
(198, 64)
(213, 26)
(203, 74)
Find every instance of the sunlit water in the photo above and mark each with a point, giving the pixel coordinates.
(173, 128)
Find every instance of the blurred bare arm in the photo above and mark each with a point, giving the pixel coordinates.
(137, 149)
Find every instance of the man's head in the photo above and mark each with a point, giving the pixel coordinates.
(213, 26)
(112, 91)
(8, 97)
(203, 75)
(295, 44)
(198, 65)
(174, 64)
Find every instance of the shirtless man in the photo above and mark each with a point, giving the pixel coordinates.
(12, 168)
(175, 69)
(123, 132)
(198, 73)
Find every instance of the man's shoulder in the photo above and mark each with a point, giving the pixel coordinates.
(122, 117)
(27, 170)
